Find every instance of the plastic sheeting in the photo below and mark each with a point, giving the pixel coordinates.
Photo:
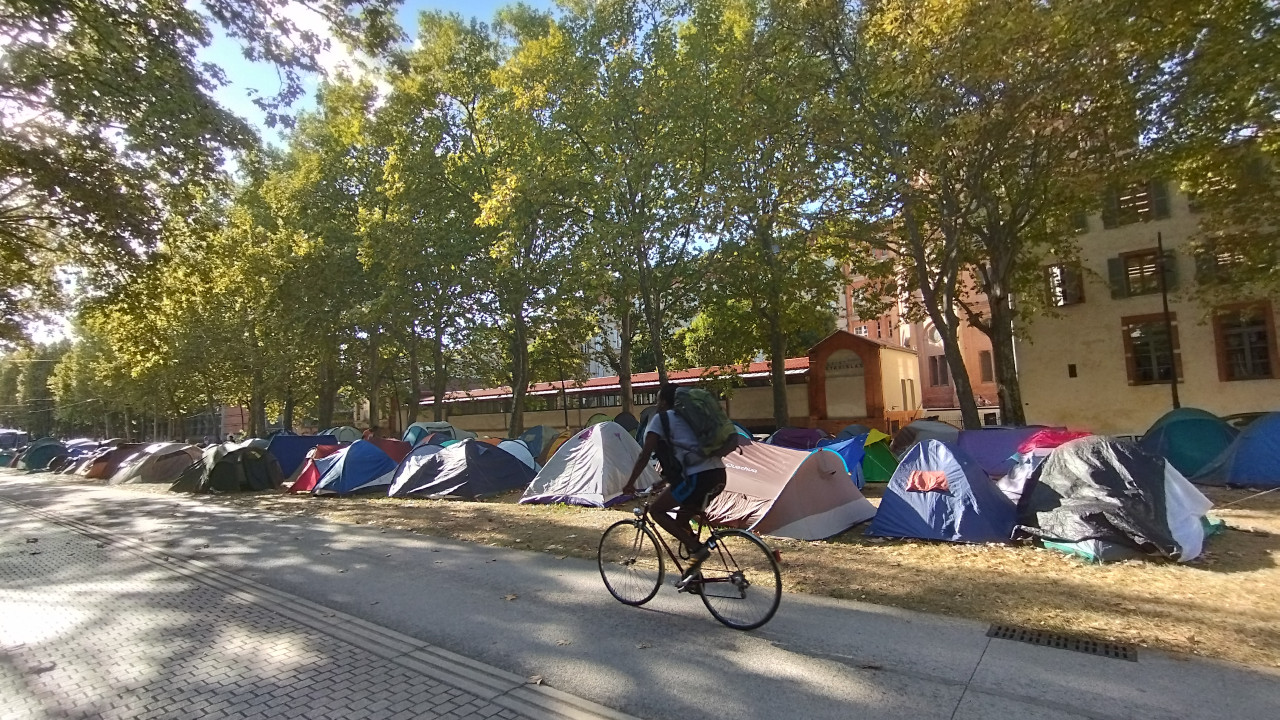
(590, 469)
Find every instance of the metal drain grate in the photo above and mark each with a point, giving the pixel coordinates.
(1064, 642)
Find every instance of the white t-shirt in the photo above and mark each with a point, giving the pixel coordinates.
(684, 443)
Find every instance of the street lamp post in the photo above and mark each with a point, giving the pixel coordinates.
(1168, 320)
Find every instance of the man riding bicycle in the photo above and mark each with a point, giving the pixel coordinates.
(692, 478)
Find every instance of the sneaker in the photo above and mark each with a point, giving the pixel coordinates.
(690, 583)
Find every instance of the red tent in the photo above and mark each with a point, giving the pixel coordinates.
(308, 474)
(395, 449)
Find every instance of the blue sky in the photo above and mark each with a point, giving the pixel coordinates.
(244, 75)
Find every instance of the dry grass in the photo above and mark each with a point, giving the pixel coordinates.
(1224, 605)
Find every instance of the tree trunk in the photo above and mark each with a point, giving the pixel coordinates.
(327, 392)
(519, 372)
(287, 419)
(257, 406)
(624, 357)
(959, 374)
(439, 378)
(375, 379)
(128, 426)
(650, 306)
(778, 369)
(1009, 387)
(415, 380)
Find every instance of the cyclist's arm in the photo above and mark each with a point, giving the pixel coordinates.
(646, 452)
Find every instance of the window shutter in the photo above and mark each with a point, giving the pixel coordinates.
(1080, 221)
(1206, 266)
(1170, 270)
(1159, 190)
(1116, 276)
(1073, 285)
(1111, 207)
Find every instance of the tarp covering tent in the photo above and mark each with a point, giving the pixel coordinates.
(104, 464)
(360, 467)
(538, 438)
(39, 454)
(395, 449)
(519, 451)
(468, 469)
(590, 469)
(231, 467)
(1017, 483)
(627, 421)
(778, 491)
(939, 494)
(344, 433)
(291, 450)
(1189, 438)
(1109, 499)
(1252, 460)
(598, 418)
(921, 430)
(417, 431)
(797, 438)
(995, 449)
(318, 460)
(155, 463)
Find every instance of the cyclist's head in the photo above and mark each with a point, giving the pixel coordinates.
(666, 397)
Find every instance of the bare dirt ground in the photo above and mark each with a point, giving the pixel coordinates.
(1225, 604)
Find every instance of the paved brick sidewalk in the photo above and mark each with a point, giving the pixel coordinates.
(91, 630)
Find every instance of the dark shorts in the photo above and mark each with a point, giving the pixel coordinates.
(695, 493)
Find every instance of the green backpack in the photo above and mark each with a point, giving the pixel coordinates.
(716, 435)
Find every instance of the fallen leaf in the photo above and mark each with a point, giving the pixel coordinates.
(33, 540)
(342, 570)
(535, 679)
(643, 646)
(510, 597)
(562, 643)
(561, 557)
(43, 668)
(375, 602)
(870, 666)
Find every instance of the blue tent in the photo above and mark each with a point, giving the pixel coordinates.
(994, 448)
(467, 469)
(291, 450)
(1253, 460)
(851, 451)
(359, 467)
(939, 494)
(1189, 438)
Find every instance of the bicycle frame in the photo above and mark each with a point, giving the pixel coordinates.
(642, 516)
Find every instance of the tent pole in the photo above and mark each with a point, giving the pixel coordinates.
(1168, 321)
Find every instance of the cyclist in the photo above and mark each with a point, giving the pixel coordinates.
(692, 479)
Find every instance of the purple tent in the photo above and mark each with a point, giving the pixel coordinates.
(797, 438)
(994, 448)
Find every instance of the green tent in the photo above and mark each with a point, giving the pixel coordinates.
(1190, 439)
(879, 462)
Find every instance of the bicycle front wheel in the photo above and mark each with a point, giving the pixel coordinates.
(630, 562)
(741, 583)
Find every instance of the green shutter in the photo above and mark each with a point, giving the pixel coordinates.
(1159, 191)
(1080, 221)
(1116, 276)
(1111, 207)
(1170, 270)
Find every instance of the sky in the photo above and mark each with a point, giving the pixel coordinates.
(244, 75)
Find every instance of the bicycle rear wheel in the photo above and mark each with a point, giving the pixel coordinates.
(631, 562)
(741, 583)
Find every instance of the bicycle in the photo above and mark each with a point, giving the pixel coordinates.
(742, 573)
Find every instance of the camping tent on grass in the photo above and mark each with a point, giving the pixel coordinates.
(395, 449)
(538, 439)
(1108, 499)
(344, 433)
(1017, 483)
(231, 467)
(360, 467)
(797, 438)
(939, 494)
(921, 430)
(291, 450)
(867, 457)
(1189, 438)
(39, 454)
(627, 421)
(419, 430)
(519, 451)
(105, 464)
(318, 460)
(995, 449)
(590, 469)
(155, 463)
(1252, 460)
(468, 469)
(599, 418)
(788, 493)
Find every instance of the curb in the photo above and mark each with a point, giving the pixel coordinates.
(538, 702)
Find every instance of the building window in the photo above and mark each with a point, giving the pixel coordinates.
(1215, 262)
(1245, 338)
(860, 331)
(1136, 203)
(1066, 284)
(986, 369)
(1080, 222)
(1138, 273)
(644, 398)
(938, 375)
(1150, 354)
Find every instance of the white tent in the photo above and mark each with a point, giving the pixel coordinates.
(778, 491)
(155, 463)
(519, 451)
(590, 469)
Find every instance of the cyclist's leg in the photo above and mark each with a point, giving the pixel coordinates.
(660, 510)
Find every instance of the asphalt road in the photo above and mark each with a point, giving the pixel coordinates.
(818, 658)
